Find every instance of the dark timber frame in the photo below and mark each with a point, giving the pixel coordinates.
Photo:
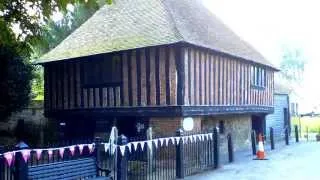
(170, 80)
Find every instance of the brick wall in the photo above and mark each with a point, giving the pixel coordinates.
(165, 126)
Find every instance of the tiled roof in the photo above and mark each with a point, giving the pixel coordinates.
(131, 24)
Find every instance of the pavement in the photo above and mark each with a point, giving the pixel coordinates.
(298, 161)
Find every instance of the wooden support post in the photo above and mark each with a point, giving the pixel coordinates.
(287, 136)
(230, 148)
(253, 142)
(216, 146)
(97, 151)
(122, 160)
(271, 138)
(2, 162)
(21, 167)
(180, 156)
(296, 132)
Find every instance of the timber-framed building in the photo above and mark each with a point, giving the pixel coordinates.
(142, 63)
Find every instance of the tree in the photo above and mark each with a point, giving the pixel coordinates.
(15, 77)
(21, 25)
(53, 33)
(293, 65)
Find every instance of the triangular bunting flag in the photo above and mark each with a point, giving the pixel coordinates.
(61, 152)
(106, 147)
(190, 139)
(38, 153)
(25, 154)
(122, 150)
(167, 141)
(9, 158)
(71, 148)
(135, 145)
(50, 152)
(202, 137)
(80, 148)
(90, 146)
(142, 145)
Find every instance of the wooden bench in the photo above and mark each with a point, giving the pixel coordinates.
(84, 168)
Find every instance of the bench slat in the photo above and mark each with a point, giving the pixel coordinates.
(72, 169)
(63, 163)
(61, 168)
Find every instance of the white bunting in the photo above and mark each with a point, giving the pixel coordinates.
(202, 137)
(71, 148)
(155, 141)
(9, 157)
(135, 145)
(161, 141)
(190, 138)
(61, 152)
(142, 145)
(80, 146)
(106, 147)
(90, 146)
(185, 140)
(194, 138)
(167, 141)
(38, 153)
(211, 136)
(122, 150)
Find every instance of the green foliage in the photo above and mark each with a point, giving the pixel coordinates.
(52, 34)
(312, 123)
(21, 27)
(15, 78)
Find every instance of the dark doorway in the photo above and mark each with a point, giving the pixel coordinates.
(132, 127)
(76, 129)
(258, 123)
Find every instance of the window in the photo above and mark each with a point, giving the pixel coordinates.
(258, 76)
(104, 73)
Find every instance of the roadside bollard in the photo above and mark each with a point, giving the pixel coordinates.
(296, 133)
(287, 136)
(253, 142)
(230, 148)
(271, 138)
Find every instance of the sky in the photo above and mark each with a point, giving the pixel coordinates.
(271, 25)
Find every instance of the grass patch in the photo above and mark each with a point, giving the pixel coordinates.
(312, 123)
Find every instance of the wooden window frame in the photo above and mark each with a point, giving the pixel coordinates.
(258, 77)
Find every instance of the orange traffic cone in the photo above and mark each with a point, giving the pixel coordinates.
(260, 153)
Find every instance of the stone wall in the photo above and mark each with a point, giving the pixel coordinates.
(239, 126)
(33, 114)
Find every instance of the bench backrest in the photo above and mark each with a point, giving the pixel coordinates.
(71, 169)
